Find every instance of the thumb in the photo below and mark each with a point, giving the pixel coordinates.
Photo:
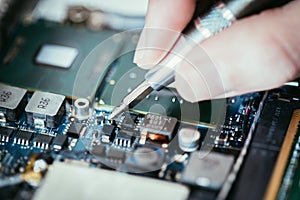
(257, 53)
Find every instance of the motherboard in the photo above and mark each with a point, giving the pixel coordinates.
(59, 82)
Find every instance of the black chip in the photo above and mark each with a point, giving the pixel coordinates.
(23, 137)
(42, 141)
(125, 139)
(129, 121)
(116, 154)
(75, 130)
(108, 129)
(108, 133)
(125, 135)
(5, 134)
(99, 150)
(60, 141)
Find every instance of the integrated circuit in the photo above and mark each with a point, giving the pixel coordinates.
(59, 142)
(75, 130)
(99, 150)
(159, 125)
(124, 139)
(108, 133)
(42, 141)
(45, 109)
(5, 134)
(12, 101)
(23, 137)
(116, 155)
(129, 121)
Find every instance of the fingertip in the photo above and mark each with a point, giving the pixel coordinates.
(164, 22)
(147, 58)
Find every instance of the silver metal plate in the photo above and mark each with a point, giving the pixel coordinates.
(10, 97)
(45, 103)
(81, 182)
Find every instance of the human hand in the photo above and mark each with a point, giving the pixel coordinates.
(256, 53)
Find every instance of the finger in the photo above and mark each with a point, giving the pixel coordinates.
(164, 22)
(257, 53)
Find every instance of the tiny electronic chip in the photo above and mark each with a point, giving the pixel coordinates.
(129, 121)
(12, 101)
(99, 150)
(115, 154)
(42, 141)
(5, 134)
(124, 139)
(108, 133)
(75, 130)
(45, 109)
(59, 142)
(159, 125)
(23, 137)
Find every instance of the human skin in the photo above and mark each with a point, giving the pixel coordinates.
(256, 53)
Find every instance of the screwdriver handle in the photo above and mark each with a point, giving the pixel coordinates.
(220, 16)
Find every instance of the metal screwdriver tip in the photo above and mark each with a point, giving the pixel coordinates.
(118, 110)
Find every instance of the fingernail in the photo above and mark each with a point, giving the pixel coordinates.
(138, 56)
(152, 47)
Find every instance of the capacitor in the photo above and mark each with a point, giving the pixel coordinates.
(188, 139)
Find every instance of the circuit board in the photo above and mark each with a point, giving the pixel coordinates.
(57, 142)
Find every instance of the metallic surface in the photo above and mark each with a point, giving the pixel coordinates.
(10, 97)
(45, 103)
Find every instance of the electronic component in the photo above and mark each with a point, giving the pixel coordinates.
(131, 187)
(82, 109)
(75, 130)
(5, 134)
(108, 133)
(59, 142)
(99, 150)
(129, 121)
(159, 125)
(188, 139)
(56, 55)
(124, 139)
(115, 154)
(12, 101)
(207, 169)
(145, 159)
(45, 109)
(23, 137)
(42, 141)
